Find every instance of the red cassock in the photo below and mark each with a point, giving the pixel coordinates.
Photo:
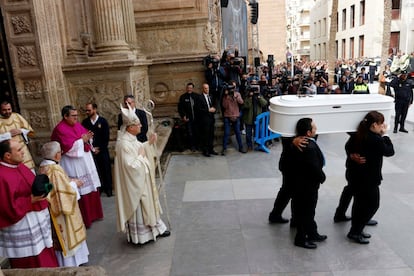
(25, 231)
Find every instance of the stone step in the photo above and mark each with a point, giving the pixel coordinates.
(4, 263)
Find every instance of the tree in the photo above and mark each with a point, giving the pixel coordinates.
(332, 57)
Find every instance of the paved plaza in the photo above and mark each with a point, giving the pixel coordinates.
(219, 207)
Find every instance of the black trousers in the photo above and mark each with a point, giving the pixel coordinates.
(366, 204)
(344, 200)
(103, 166)
(304, 202)
(206, 131)
(283, 197)
(401, 110)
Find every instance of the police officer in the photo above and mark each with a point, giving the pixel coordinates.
(403, 88)
(360, 86)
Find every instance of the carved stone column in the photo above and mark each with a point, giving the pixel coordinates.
(129, 23)
(109, 26)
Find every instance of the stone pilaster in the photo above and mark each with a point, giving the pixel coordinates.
(129, 23)
(109, 26)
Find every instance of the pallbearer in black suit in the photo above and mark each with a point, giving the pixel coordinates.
(100, 128)
(309, 162)
(205, 121)
(371, 144)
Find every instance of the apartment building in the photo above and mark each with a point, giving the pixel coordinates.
(360, 28)
(298, 27)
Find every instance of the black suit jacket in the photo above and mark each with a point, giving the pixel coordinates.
(202, 111)
(309, 166)
(142, 116)
(100, 130)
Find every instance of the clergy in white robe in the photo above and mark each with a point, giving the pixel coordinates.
(138, 207)
(69, 230)
(18, 128)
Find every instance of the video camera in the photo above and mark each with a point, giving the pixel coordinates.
(210, 60)
(229, 88)
(237, 61)
(319, 74)
(253, 90)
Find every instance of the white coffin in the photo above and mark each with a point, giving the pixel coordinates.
(331, 113)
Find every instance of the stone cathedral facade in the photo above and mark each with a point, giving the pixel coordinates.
(74, 51)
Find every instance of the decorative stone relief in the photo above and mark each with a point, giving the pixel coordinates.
(108, 96)
(26, 56)
(139, 88)
(212, 28)
(38, 119)
(210, 37)
(161, 92)
(21, 24)
(32, 89)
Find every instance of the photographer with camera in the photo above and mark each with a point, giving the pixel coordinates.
(233, 65)
(231, 116)
(309, 88)
(253, 106)
(215, 77)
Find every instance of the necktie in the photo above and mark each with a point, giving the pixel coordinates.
(192, 106)
(208, 101)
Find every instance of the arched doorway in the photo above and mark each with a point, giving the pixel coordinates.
(7, 86)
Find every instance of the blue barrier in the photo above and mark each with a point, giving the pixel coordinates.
(262, 132)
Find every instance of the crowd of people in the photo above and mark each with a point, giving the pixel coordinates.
(45, 213)
(241, 93)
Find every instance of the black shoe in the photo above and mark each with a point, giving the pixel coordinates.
(165, 234)
(278, 219)
(223, 152)
(292, 223)
(358, 238)
(206, 154)
(372, 222)
(395, 130)
(317, 238)
(306, 244)
(403, 130)
(213, 152)
(365, 235)
(109, 194)
(341, 218)
(242, 151)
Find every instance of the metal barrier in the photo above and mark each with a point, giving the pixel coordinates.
(262, 132)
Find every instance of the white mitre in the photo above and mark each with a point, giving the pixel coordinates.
(129, 117)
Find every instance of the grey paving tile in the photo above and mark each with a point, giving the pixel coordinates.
(209, 252)
(255, 188)
(209, 215)
(208, 190)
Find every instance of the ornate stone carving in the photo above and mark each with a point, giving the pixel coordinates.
(212, 28)
(26, 56)
(38, 119)
(108, 96)
(210, 37)
(139, 90)
(32, 89)
(21, 24)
